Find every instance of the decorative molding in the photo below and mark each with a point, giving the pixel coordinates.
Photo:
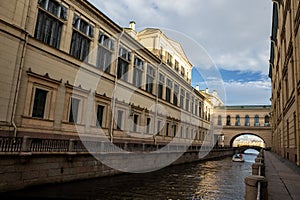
(45, 77)
(78, 88)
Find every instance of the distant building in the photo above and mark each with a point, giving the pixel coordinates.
(284, 72)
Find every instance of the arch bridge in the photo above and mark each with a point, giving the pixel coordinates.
(243, 148)
(234, 121)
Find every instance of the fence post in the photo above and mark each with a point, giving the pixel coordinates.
(259, 160)
(102, 146)
(125, 146)
(71, 145)
(143, 147)
(252, 192)
(25, 144)
(258, 169)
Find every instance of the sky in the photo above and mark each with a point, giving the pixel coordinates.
(227, 41)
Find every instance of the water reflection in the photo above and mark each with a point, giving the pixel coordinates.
(218, 179)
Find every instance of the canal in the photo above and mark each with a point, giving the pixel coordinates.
(216, 179)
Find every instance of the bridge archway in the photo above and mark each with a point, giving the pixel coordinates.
(256, 146)
(242, 149)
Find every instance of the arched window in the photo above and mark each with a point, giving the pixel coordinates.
(267, 120)
(228, 123)
(247, 120)
(256, 120)
(219, 120)
(237, 120)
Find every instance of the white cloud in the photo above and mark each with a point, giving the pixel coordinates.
(233, 34)
(253, 92)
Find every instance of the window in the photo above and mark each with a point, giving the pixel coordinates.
(182, 71)
(168, 90)
(267, 120)
(100, 114)
(228, 123)
(73, 112)
(181, 132)
(105, 52)
(158, 127)
(286, 87)
(182, 95)
(135, 122)
(176, 66)
(167, 129)
(174, 130)
(138, 69)
(196, 108)
(187, 102)
(187, 133)
(161, 85)
(247, 120)
(175, 94)
(256, 120)
(287, 133)
(200, 109)
(120, 119)
(192, 106)
(123, 63)
(150, 78)
(237, 120)
(148, 125)
(169, 59)
(80, 44)
(50, 22)
(39, 103)
(40, 98)
(295, 128)
(219, 120)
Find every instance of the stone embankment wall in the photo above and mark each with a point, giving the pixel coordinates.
(27, 161)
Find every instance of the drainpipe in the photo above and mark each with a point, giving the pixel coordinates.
(113, 98)
(21, 66)
(156, 101)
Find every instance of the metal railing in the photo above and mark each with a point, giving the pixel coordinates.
(35, 145)
(259, 183)
(9, 144)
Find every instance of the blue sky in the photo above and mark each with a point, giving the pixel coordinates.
(226, 40)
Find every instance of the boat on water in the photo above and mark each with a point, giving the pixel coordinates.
(238, 158)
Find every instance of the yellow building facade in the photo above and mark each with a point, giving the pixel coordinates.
(67, 70)
(285, 75)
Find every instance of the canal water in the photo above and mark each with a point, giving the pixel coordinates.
(216, 179)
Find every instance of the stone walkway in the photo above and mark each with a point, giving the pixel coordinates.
(283, 177)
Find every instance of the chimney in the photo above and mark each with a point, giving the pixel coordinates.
(132, 25)
(214, 93)
(197, 87)
(206, 90)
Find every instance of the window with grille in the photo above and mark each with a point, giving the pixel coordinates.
(105, 52)
(138, 70)
(161, 86)
(150, 78)
(123, 64)
(175, 94)
(81, 38)
(50, 20)
(168, 90)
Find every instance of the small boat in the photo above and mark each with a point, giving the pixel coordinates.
(238, 158)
